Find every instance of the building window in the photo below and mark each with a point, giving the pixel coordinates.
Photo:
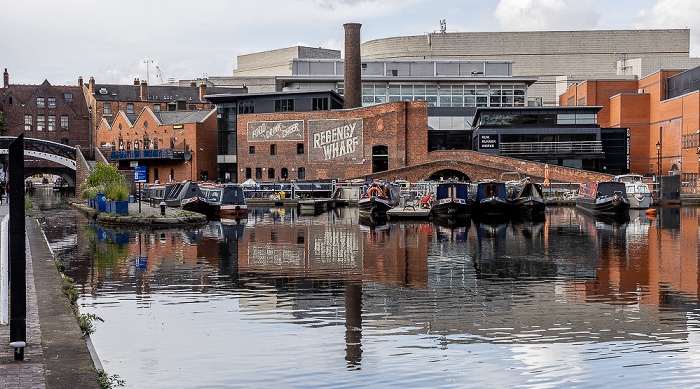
(172, 175)
(284, 173)
(52, 122)
(130, 108)
(107, 109)
(284, 105)
(64, 141)
(301, 173)
(68, 96)
(155, 175)
(251, 149)
(300, 148)
(40, 102)
(156, 107)
(64, 122)
(246, 107)
(40, 122)
(52, 102)
(248, 173)
(28, 121)
(273, 149)
(380, 158)
(258, 173)
(319, 104)
(193, 107)
(128, 145)
(271, 173)
(136, 145)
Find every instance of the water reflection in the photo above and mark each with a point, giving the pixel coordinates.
(323, 300)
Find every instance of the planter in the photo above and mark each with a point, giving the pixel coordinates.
(101, 202)
(120, 207)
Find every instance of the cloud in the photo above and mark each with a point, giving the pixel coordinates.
(673, 14)
(538, 15)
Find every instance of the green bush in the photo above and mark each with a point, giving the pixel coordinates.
(106, 179)
(117, 190)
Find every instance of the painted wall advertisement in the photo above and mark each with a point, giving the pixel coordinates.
(284, 130)
(337, 140)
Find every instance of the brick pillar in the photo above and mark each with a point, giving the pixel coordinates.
(91, 85)
(144, 90)
(352, 70)
(202, 91)
(6, 79)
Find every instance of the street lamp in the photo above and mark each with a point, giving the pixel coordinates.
(658, 159)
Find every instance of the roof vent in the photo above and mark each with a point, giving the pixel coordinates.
(103, 91)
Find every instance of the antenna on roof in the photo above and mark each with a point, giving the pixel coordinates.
(148, 78)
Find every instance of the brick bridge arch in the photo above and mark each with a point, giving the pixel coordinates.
(480, 166)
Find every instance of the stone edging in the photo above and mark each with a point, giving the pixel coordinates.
(130, 220)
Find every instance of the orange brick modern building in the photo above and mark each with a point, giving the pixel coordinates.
(174, 146)
(662, 111)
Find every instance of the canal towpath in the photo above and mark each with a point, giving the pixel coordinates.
(56, 356)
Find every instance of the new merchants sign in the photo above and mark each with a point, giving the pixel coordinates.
(335, 140)
(285, 130)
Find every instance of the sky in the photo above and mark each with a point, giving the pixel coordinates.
(157, 40)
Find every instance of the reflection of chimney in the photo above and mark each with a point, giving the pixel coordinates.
(80, 81)
(91, 85)
(353, 76)
(144, 90)
(202, 91)
(6, 79)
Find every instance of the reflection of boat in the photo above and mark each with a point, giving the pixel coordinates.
(525, 198)
(607, 198)
(638, 193)
(488, 198)
(452, 200)
(379, 197)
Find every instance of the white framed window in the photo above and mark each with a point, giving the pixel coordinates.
(40, 102)
(40, 122)
(64, 122)
(52, 102)
(52, 122)
(107, 109)
(28, 121)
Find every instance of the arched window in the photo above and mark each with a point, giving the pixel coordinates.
(271, 173)
(380, 158)
(301, 173)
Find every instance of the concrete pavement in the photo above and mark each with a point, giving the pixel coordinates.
(56, 356)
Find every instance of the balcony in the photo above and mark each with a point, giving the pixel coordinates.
(147, 154)
(587, 148)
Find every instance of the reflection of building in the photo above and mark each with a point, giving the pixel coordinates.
(174, 146)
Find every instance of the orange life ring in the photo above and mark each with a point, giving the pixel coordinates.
(374, 191)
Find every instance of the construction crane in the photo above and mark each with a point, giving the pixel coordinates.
(159, 75)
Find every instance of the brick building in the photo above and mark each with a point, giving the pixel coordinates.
(662, 111)
(56, 113)
(174, 146)
(107, 100)
(332, 144)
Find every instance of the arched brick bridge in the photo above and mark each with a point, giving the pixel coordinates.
(479, 166)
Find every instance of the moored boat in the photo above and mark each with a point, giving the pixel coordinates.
(452, 200)
(605, 198)
(378, 198)
(638, 193)
(488, 199)
(525, 198)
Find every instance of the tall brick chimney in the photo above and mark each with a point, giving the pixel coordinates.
(6, 79)
(80, 81)
(91, 85)
(193, 83)
(352, 71)
(202, 91)
(144, 90)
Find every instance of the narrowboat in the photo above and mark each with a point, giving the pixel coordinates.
(229, 198)
(452, 200)
(638, 193)
(176, 193)
(488, 199)
(525, 198)
(378, 197)
(605, 198)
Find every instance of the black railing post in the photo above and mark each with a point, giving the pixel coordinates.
(17, 246)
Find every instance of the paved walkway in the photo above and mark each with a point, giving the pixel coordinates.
(55, 356)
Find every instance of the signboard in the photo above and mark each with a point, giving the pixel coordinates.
(488, 141)
(283, 130)
(140, 174)
(335, 140)
(133, 163)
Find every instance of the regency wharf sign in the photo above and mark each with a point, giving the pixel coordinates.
(335, 140)
(284, 130)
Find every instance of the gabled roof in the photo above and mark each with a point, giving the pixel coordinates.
(26, 94)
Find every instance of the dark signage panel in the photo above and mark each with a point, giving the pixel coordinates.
(488, 141)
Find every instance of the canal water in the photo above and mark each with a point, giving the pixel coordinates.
(288, 300)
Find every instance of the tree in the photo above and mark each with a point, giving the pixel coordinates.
(3, 124)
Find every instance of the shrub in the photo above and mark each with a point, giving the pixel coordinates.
(118, 190)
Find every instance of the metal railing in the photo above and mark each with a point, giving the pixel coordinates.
(147, 154)
(522, 148)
